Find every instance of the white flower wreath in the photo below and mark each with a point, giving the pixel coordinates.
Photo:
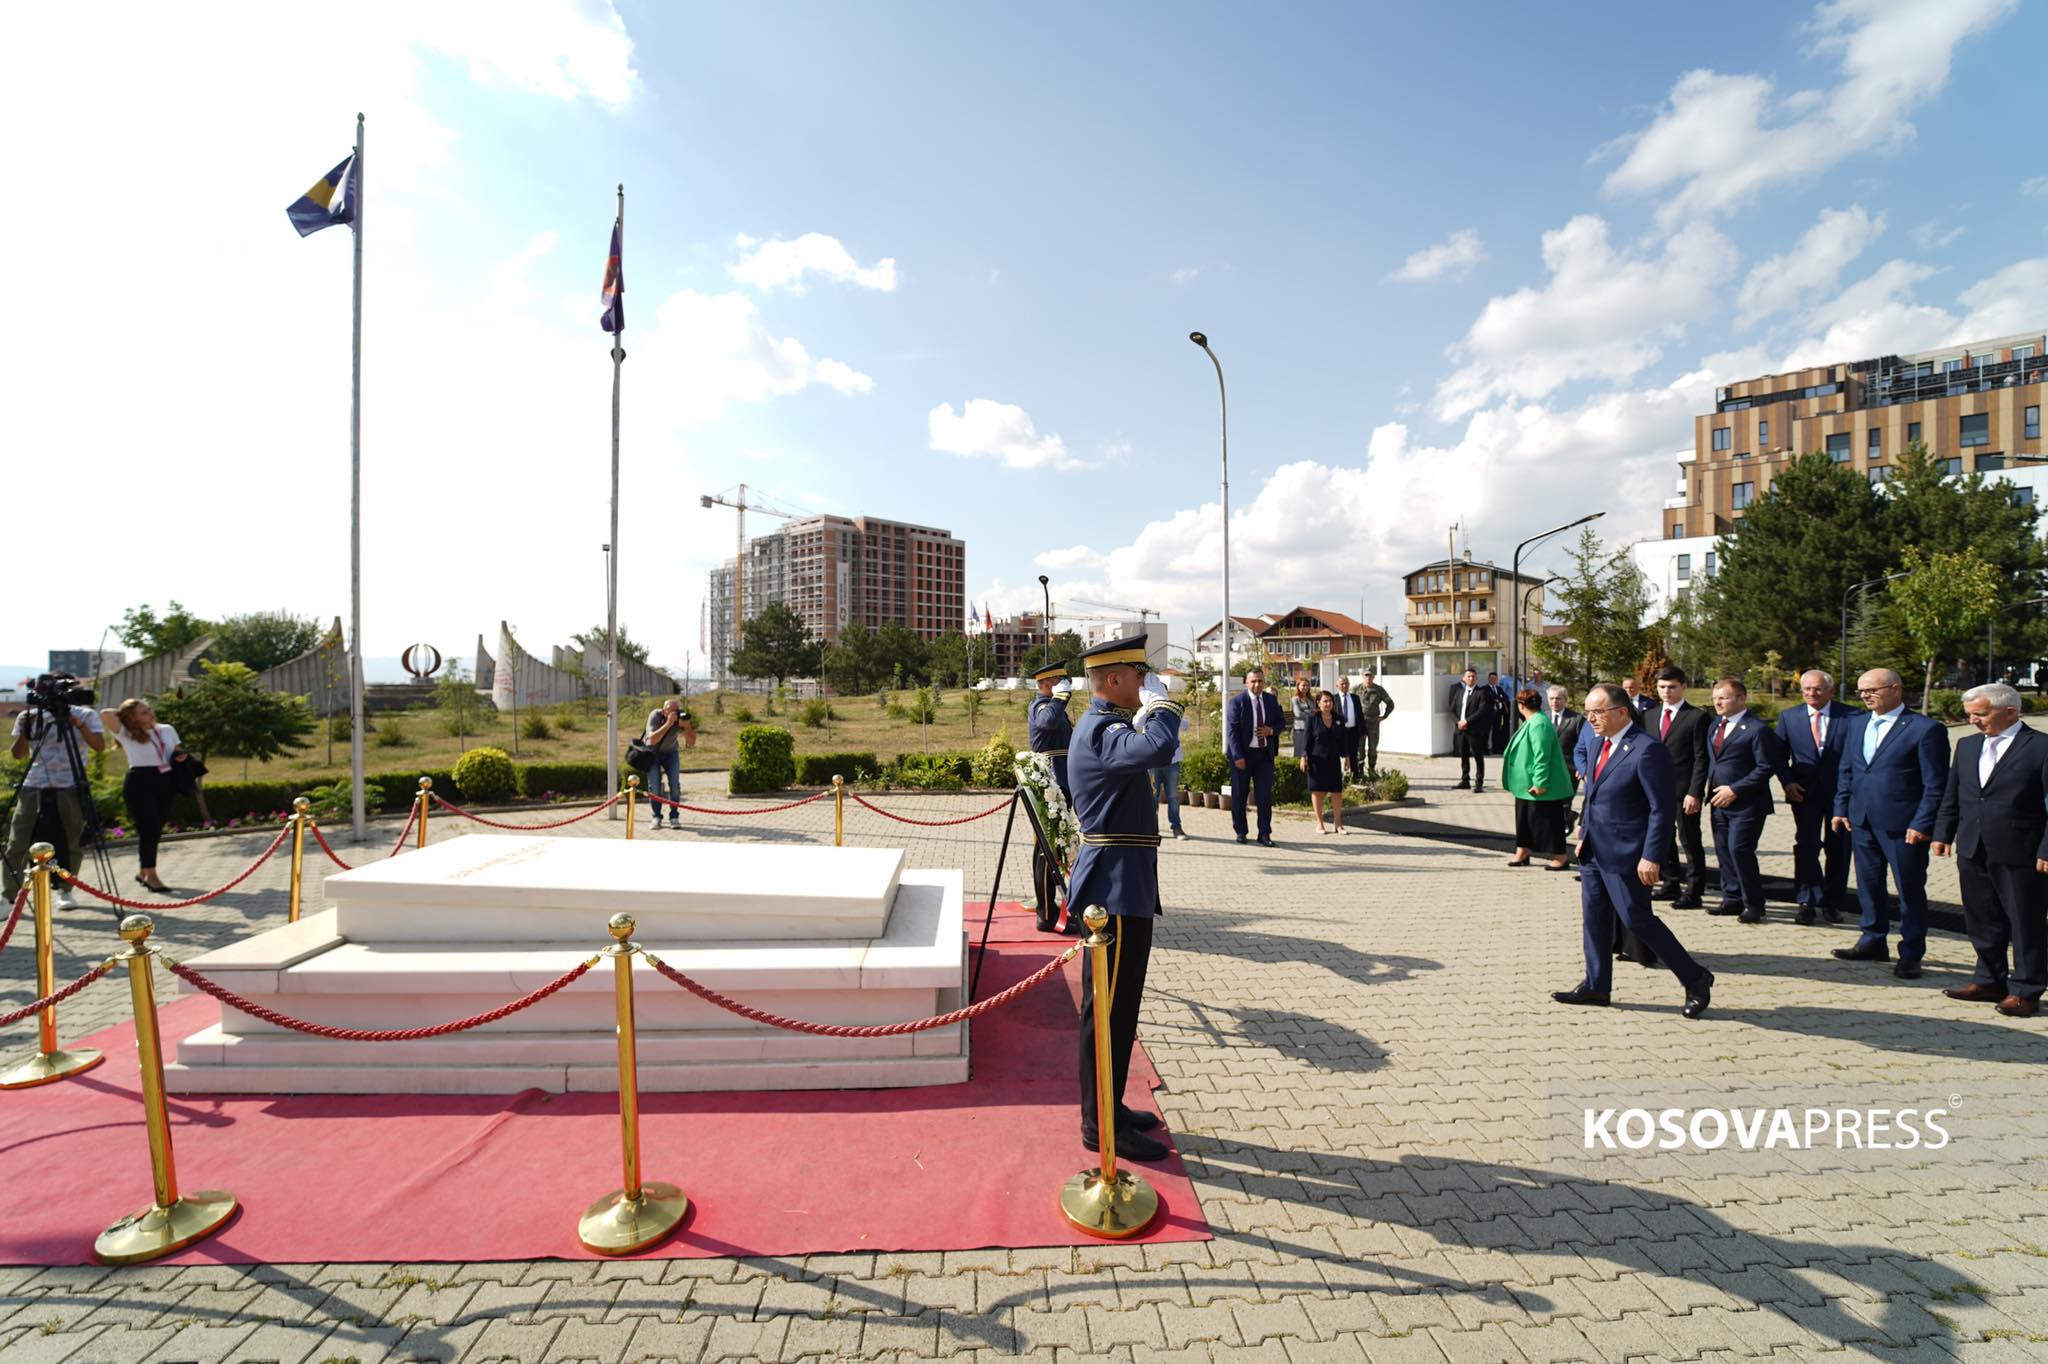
(1034, 774)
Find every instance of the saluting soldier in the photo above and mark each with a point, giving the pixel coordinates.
(1051, 731)
(1115, 746)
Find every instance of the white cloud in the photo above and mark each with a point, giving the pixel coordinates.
(1880, 315)
(1073, 557)
(2012, 301)
(1451, 258)
(2035, 186)
(1932, 236)
(1812, 267)
(1720, 140)
(1601, 315)
(711, 350)
(563, 48)
(511, 281)
(783, 264)
(1000, 431)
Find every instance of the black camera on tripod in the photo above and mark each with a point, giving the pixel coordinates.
(57, 693)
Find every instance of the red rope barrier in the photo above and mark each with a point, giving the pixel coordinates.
(255, 1010)
(705, 992)
(9, 1020)
(995, 809)
(332, 855)
(7, 934)
(155, 905)
(653, 799)
(410, 815)
(525, 828)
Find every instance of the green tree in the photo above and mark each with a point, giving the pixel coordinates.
(1944, 604)
(899, 651)
(462, 709)
(149, 634)
(1600, 605)
(849, 665)
(1785, 565)
(629, 649)
(953, 660)
(777, 644)
(228, 713)
(264, 639)
(1066, 648)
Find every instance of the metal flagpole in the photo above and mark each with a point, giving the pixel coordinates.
(611, 622)
(355, 515)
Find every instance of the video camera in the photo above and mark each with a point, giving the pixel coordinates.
(57, 693)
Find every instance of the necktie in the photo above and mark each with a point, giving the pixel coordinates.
(1813, 718)
(1665, 733)
(1720, 733)
(1873, 735)
(1606, 751)
(1994, 746)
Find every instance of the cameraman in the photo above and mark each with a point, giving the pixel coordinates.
(663, 728)
(50, 783)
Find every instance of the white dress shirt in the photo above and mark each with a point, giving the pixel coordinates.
(154, 751)
(1994, 749)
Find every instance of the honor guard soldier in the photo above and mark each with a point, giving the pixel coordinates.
(1051, 731)
(1115, 746)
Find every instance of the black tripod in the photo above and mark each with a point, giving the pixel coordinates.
(57, 724)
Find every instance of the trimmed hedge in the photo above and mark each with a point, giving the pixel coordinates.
(1205, 769)
(398, 788)
(818, 769)
(564, 779)
(228, 800)
(1290, 784)
(765, 761)
(932, 771)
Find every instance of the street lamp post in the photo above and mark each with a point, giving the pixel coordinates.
(1851, 590)
(1515, 585)
(1534, 588)
(1045, 587)
(1223, 399)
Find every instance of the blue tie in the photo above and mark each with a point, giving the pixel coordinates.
(1873, 735)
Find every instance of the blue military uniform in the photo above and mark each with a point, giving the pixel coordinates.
(1051, 731)
(1109, 764)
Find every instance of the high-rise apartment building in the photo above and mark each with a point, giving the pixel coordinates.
(1453, 602)
(835, 570)
(1975, 407)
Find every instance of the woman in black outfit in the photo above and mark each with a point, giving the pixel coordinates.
(1325, 748)
(151, 748)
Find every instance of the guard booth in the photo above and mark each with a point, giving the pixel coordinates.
(1420, 682)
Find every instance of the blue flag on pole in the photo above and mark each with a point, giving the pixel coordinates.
(331, 200)
(614, 318)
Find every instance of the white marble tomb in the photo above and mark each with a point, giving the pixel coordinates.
(833, 935)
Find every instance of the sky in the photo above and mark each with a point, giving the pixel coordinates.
(938, 264)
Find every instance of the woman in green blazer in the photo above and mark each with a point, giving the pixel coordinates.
(1534, 773)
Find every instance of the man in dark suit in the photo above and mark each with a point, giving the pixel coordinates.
(1568, 723)
(1472, 720)
(1351, 719)
(1249, 741)
(1682, 728)
(1812, 735)
(1743, 754)
(1624, 840)
(1894, 769)
(1994, 817)
(1642, 705)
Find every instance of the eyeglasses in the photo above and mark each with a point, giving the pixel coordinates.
(1600, 710)
(1878, 691)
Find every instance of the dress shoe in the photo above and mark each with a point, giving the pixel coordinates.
(1804, 916)
(1462, 786)
(1557, 866)
(1242, 839)
(1860, 952)
(1752, 916)
(1976, 992)
(1045, 927)
(1518, 861)
(1477, 788)
(1907, 970)
(1687, 901)
(1698, 995)
(1580, 995)
(1265, 841)
(1136, 1119)
(1723, 911)
(1664, 892)
(1130, 1145)
(1832, 915)
(2019, 1006)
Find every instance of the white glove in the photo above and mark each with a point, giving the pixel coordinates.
(1158, 705)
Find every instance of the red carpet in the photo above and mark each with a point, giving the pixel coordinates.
(444, 1178)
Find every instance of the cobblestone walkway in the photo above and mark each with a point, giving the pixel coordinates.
(1379, 1105)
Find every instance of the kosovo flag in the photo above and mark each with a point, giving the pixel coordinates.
(331, 201)
(614, 318)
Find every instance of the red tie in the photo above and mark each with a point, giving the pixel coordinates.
(1665, 733)
(1813, 718)
(1606, 752)
(1720, 733)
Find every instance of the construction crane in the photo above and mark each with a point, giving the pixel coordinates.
(739, 561)
(1143, 613)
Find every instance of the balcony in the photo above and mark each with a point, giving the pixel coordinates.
(1418, 619)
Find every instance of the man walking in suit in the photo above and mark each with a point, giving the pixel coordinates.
(1472, 714)
(1249, 742)
(1639, 704)
(1624, 840)
(1742, 757)
(1568, 723)
(1894, 769)
(1812, 735)
(1682, 728)
(1994, 818)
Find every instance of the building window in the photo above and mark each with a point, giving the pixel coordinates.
(1677, 530)
(1953, 465)
(1881, 474)
(1838, 447)
(1710, 563)
(1987, 463)
(1741, 495)
(2031, 427)
(1723, 437)
(1873, 444)
(1912, 433)
(1684, 567)
(1951, 366)
(2023, 497)
(2022, 352)
(1763, 434)
(1974, 431)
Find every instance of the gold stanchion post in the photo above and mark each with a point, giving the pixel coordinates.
(173, 1221)
(838, 811)
(635, 1215)
(50, 1063)
(1108, 1202)
(426, 799)
(632, 790)
(300, 806)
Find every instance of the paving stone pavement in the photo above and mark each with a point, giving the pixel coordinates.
(1380, 1107)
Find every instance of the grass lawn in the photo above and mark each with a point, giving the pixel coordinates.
(418, 739)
